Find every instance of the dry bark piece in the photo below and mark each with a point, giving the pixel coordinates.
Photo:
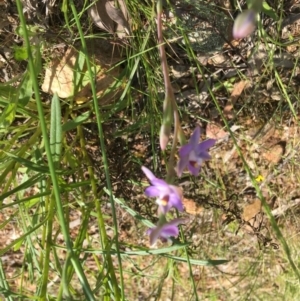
(218, 59)
(284, 208)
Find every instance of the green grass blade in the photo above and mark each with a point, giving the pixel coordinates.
(55, 130)
(72, 124)
(4, 288)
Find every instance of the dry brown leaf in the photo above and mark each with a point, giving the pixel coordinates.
(59, 77)
(117, 15)
(238, 88)
(274, 154)
(215, 131)
(251, 210)
(100, 17)
(191, 207)
(103, 81)
(110, 18)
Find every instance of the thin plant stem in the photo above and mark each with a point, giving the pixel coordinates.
(170, 98)
(169, 94)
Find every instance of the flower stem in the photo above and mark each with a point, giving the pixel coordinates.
(169, 96)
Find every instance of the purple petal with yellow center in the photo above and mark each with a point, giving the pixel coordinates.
(168, 196)
(163, 201)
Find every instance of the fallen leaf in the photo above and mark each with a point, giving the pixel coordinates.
(59, 75)
(215, 131)
(191, 206)
(274, 154)
(100, 16)
(117, 16)
(238, 88)
(59, 78)
(110, 18)
(251, 210)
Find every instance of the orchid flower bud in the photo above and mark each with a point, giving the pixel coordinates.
(168, 119)
(244, 24)
(165, 131)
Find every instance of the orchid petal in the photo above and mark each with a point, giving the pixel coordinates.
(177, 190)
(183, 162)
(185, 150)
(193, 170)
(195, 137)
(205, 145)
(205, 156)
(152, 191)
(176, 202)
(148, 173)
(169, 230)
(160, 183)
(168, 196)
(165, 231)
(154, 234)
(164, 209)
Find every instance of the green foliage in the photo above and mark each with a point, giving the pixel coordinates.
(20, 53)
(266, 9)
(20, 96)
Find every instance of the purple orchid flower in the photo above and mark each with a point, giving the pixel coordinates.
(165, 231)
(168, 196)
(193, 154)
